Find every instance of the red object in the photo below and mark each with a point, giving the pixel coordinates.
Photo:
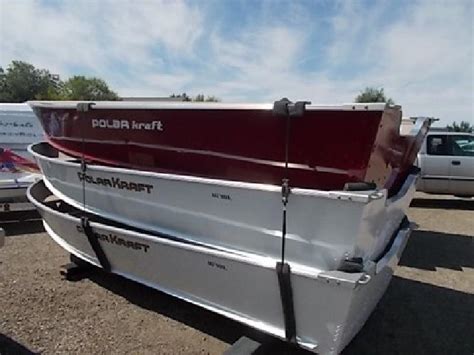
(12, 162)
(328, 146)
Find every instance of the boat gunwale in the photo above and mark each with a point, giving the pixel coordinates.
(146, 105)
(346, 279)
(360, 197)
(235, 255)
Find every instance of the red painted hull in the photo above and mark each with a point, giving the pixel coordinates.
(327, 147)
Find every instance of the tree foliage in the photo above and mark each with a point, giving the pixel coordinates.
(371, 94)
(463, 126)
(22, 81)
(81, 88)
(183, 96)
(202, 98)
(197, 98)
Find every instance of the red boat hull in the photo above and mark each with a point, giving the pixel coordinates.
(327, 147)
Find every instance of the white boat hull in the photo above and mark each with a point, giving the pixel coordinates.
(330, 307)
(323, 227)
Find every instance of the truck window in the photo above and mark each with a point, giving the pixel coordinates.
(462, 145)
(438, 145)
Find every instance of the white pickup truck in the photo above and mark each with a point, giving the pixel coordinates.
(446, 160)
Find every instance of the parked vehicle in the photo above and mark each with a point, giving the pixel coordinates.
(446, 160)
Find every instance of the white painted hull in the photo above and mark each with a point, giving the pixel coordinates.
(323, 227)
(330, 306)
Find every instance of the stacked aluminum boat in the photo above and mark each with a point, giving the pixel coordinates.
(303, 264)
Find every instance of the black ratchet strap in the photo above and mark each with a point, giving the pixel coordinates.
(286, 295)
(287, 109)
(94, 242)
(86, 227)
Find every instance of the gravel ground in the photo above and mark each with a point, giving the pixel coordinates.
(428, 307)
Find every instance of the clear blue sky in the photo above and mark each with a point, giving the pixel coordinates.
(421, 52)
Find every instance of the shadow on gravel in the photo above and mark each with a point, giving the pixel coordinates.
(427, 250)
(22, 227)
(411, 318)
(418, 318)
(451, 204)
(11, 347)
(193, 316)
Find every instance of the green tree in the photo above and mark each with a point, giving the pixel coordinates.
(212, 99)
(197, 98)
(183, 96)
(3, 86)
(202, 98)
(81, 88)
(22, 82)
(464, 126)
(371, 94)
